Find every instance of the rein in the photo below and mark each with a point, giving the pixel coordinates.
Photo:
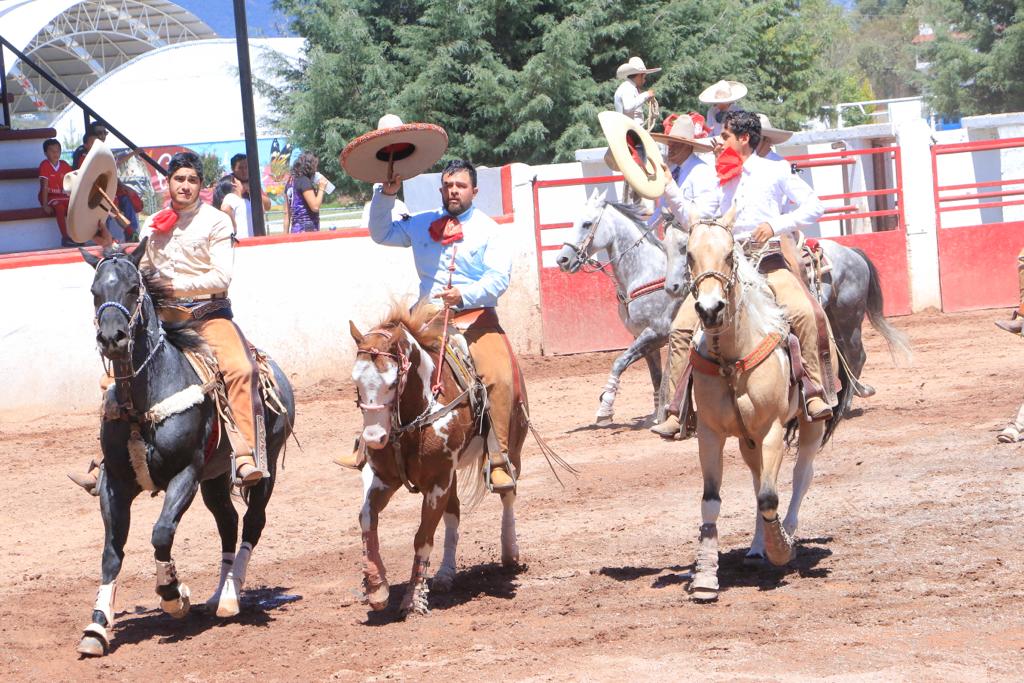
(583, 246)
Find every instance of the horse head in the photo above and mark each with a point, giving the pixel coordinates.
(587, 237)
(380, 373)
(677, 238)
(119, 294)
(711, 256)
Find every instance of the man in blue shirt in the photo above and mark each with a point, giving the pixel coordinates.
(462, 235)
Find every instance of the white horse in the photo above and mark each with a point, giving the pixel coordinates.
(636, 260)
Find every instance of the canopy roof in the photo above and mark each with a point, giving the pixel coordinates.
(80, 41)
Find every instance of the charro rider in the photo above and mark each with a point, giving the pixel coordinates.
(759, 189)
(1016, 322)
(722, 98)
(190, 248)
(629, 100)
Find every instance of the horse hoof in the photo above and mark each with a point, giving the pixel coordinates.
(227, 608)
(510, 560)
(442, 582)
(753, 560)
(377, 598)
(178, 608)
(603, 420)
(703, 595)
(91, 646)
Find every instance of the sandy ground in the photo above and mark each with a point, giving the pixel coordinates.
(909, 566)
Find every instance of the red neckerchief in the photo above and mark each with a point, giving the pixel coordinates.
(164, 221)
(446, 229)
(729, 164)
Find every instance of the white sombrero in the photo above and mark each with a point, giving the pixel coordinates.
(723, 92)
(634, 153)
(87, 206)
(682, 130)
(634, 66)
(407, 149)
(776, 136)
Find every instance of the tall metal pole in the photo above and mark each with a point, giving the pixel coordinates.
(3, 91)
(249, 120)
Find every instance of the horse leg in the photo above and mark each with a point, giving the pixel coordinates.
(778, 544)
(755, 555)
(638, 348)
(174, 595)
(252, 528)
(217, 498)
(653, 358)
(376, 495)
(803, 471)
(509, 540)
(434, 505)
(445, 576)
(116, 499)
(704, 587)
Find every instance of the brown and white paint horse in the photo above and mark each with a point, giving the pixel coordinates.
(749, 396)
(415, 439)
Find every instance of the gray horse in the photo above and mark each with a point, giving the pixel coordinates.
(636, 260)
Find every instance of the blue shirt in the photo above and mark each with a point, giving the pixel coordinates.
(483, 257)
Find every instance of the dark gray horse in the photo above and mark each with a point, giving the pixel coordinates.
(150, 368)
(636, 259)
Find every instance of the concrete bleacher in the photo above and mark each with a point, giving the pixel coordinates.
(24, 226)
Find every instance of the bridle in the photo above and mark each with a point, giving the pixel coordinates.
(404, 364)
(134, 319)
(727, 281)
(582, 247)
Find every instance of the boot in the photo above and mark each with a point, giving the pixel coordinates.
(669, 428)
(1015, 325)
(247, 472)
(818, 409)
(356, 459)
(500, 477)
(88, 481)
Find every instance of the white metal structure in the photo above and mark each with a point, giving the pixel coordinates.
(80, 41)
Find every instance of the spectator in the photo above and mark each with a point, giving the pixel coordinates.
(240, 169)
(128, 200)
(227, 197)
(303, 195)
(52, 196)
(93, 132)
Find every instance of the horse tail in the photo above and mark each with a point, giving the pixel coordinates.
(844, 399)
(896, 340)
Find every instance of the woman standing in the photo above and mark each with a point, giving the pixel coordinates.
(303, 195)
(227, 197)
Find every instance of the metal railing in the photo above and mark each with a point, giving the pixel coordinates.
(975, 198)
(89, 111)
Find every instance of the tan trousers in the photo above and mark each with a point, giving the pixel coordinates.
(241, 379)
(789, 293)
(493, 360)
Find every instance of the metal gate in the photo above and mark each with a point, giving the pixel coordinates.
(978, 237)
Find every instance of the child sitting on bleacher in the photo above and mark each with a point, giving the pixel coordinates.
(52, 196)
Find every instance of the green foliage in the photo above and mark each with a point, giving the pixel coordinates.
(212, 168)
(524, 80)
(977, 58)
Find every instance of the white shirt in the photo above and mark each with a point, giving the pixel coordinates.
(693, 185)
(196, 256)
(772, 155)
(483, 257)
(237, 205)
(761, 193)
(630, 101)
(243, 218)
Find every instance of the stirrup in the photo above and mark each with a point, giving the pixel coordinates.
(509, 470)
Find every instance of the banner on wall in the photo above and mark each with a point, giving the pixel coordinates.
(275, 158)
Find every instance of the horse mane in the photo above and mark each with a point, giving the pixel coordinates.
(636, 213)
(184, 335)
(756, 300)
(422, 322)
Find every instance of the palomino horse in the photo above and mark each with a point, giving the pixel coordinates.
(420, 441)
(175, 418)
(637, 262)
(745, 390)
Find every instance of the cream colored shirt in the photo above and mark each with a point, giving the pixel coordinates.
(196, 256)
(762, 192)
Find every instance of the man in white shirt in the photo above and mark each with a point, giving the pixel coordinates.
(482, 255)
(629, 100)
(760, 189)
(722, 98)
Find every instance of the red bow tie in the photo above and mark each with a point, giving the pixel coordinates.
(446, 229)
(164, 221)
(728, 165)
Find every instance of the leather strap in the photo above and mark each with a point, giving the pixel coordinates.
(750, 361)
(642, 290)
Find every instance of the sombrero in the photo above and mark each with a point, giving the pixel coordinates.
(634, 66)
(634, 153)
(723, 92)
(87, 185)
(682, 130)
(776, 136)
(406, 149)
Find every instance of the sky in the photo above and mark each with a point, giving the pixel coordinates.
(262, 19)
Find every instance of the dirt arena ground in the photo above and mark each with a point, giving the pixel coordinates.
(909, 564)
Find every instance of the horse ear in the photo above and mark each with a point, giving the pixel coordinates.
(88, 257)
(730, 217)
(140, 251)
(354, 331)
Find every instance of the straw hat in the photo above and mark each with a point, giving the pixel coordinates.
(634, 66)
(411, 149)
(87, 207)
(682, 130)
(776, 136)
(723, 92)
(634, 153)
